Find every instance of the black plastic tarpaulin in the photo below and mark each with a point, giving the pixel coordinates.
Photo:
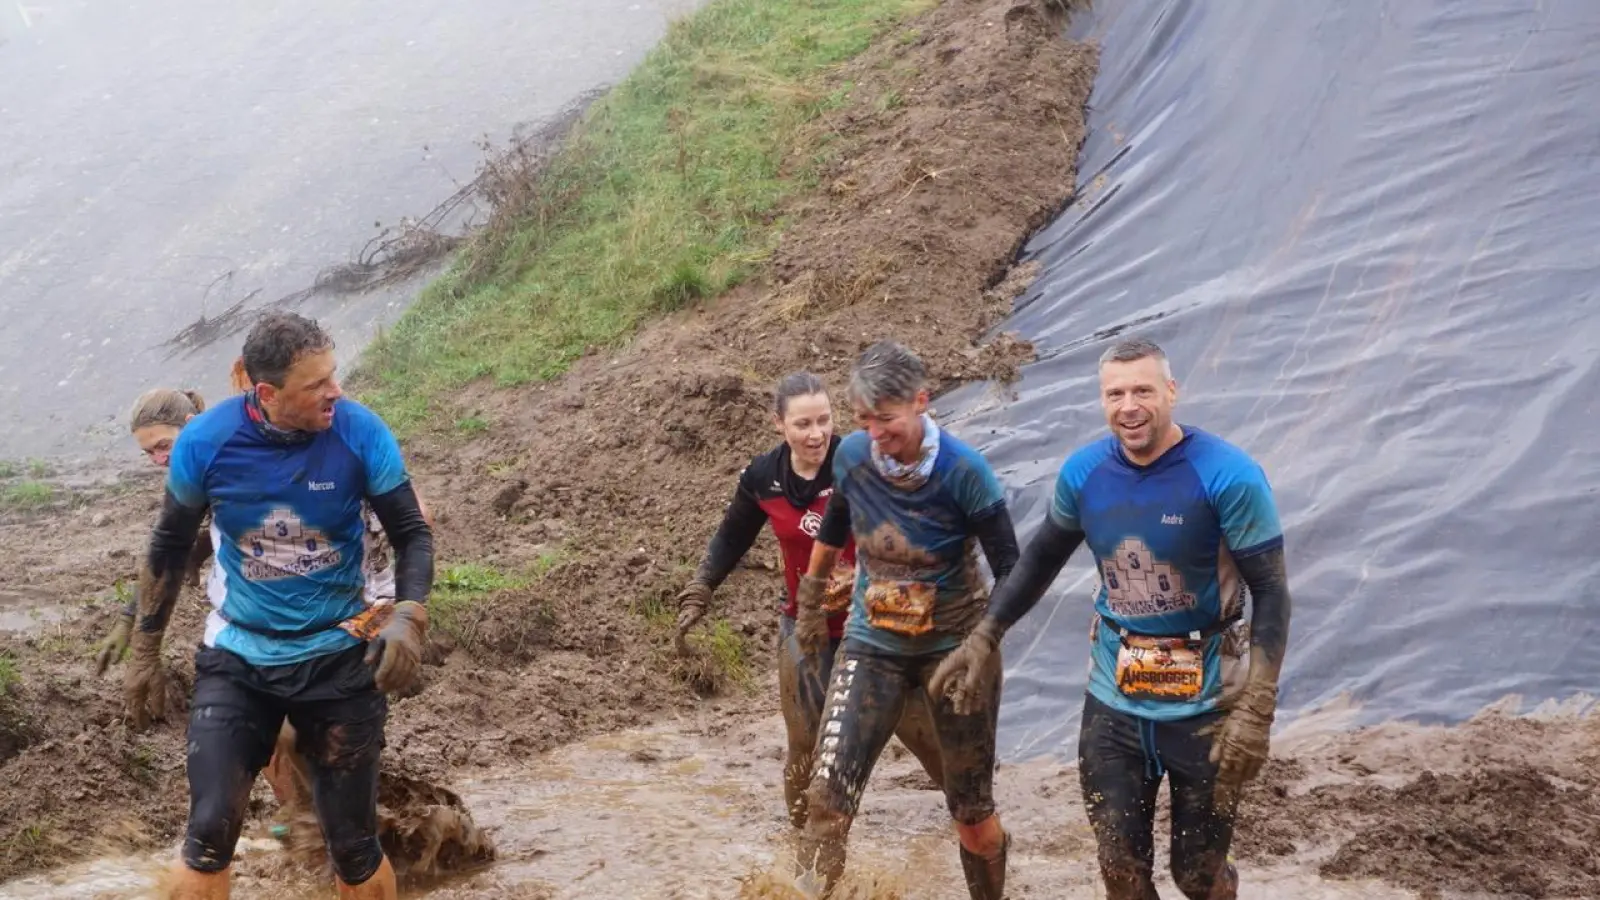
(1368, 235)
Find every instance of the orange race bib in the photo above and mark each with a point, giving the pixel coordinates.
(841, 587)
(366, 625)
(1167, 669)
(901, 607)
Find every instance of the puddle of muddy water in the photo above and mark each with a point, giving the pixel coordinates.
(675, 813)
(26, 612)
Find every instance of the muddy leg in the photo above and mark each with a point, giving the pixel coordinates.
(1202, 831)
(865, 699)
(1120, 782)
(801, 693)
(231, 730)
(916, 731)
(342, 741)
(967, 750)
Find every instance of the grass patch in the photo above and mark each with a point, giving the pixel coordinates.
(462, 604)
(715, 658)
(28, 495)
(664, 193)
(9, 676)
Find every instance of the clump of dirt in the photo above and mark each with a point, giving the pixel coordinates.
(958, 137)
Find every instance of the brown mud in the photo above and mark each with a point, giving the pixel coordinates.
(597, 762)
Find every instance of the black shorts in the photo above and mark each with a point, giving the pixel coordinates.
(1121, 761)
(338, 715)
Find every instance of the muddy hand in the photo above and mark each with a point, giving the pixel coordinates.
(966, 672)
(693, 601)
(115, 646)
(397, 650)
(1243, 740)
(810, 622)
(144, 684)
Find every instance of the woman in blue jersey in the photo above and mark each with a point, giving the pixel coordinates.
(917, 500)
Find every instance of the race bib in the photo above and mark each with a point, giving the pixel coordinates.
(365, 625)
(1162, 669)
(836, 596)
(900, 607)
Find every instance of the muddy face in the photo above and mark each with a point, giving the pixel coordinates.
(807, 427)
(305, 401)
(156, 442)
(1138, 398)
(895, 426)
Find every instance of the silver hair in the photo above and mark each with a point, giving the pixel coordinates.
(1135, 349)
(887, 370)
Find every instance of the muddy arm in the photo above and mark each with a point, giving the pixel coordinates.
(831, 537)
(740, 527)
(412, 539)
(1039, 565)
(166, 564)
(998, 538)
(1267, 577)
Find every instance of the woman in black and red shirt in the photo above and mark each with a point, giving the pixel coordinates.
(789, 486)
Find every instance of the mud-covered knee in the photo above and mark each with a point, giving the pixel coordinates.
(824, 823)
(1205, 877)
(357, 860)
(207, 848)
(984, 838)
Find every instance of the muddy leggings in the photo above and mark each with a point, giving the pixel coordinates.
(234, 723)
(801, 692)
(867, 695)
(1121, 760)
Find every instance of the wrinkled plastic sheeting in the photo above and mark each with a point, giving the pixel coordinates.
(1368, 235)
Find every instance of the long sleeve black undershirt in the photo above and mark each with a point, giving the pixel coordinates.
(412, 539)
(741, 525)
(1039, 565)
(1267, 577)
(166, 563)
(998, 538)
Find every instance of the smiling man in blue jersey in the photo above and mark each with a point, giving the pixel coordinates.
(284, 470)
(1176, 518)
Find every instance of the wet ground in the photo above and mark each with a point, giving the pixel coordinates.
(678, 812)
(165, 160)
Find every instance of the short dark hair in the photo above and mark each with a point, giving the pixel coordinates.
(276, 341)
(887, 370)
(797, 384)
(1134, 349)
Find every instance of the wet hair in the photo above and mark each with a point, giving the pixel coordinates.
(165, 406)
(277, 341)
(887, 370)
(797, 384)
(1134, 349)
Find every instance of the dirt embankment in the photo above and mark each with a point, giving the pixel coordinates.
(958, 139)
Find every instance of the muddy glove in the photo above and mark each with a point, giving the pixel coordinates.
(144, 683)
(1242, 741)
(967, 672)
(115, 646)
(397, 649)
(810, 622)
(693, 601)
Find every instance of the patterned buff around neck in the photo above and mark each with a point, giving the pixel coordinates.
(273, 434)
(915, 475)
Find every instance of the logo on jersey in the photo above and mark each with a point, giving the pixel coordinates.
(285, 548)
(811, 523)
(1138, 584)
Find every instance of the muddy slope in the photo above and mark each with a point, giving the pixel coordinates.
(959, 138)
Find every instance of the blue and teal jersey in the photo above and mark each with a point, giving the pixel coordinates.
(1164, 537)
(288, 526)
(918, 586)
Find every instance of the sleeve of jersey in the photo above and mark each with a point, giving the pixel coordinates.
(978, 491)
(1246, 508)
(379, 452)
(186, 474)
(1064, 504)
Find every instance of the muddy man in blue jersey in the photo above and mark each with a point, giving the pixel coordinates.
(1176, 518)
(919, 502)
(284, 470)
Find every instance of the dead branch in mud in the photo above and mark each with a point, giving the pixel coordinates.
(509, 188)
